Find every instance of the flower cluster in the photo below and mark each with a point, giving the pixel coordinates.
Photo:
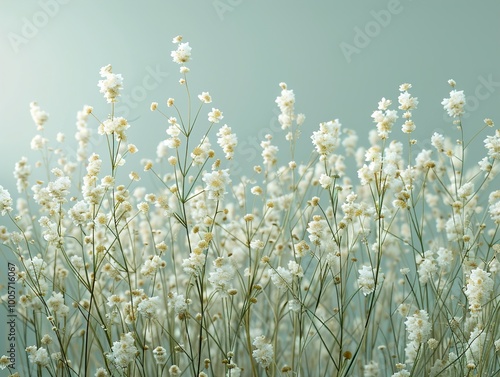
(479, 287)
(111, 84)
(183, 53)
(123, 351)
(455, 104)
(179, 270)
(263, 352)
(227, 141)
(419, 330)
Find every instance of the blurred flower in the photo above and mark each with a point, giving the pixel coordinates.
(215, 116)
(205, 97)
(38, 356)
(5, 201)
(39, 116)
(227, 141)
(263, 352)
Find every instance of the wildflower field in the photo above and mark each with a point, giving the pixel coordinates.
(373, 258)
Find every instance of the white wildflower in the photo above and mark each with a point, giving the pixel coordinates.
(263, 352)
(38, 115)
(269, 151)
(215, 116)
(149, 307)
(327, 139)
(385, 120)
(227, 141)
(222, 276)
(115, 126)
(281, 277)
(160, 355)
(494, 206)
(426, 266)
(466, 190)
(182, 54)
(111, 84)
(38, 356)
(56, 304)
(22, 171)
(216, 182)
(477, 342)
(151, 266)
(179, 304)
(478, 290)
(38, 142)
(407, 102)
(202, 152)
(492, 144)
(5, 201)
(366, 279)
(444, 257)
(124, 351)
(418, 327)
(455, 104)
(205, 97)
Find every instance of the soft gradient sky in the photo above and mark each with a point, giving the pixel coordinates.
(340, 58)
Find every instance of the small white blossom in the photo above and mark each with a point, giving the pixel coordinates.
(115, 126)
(418, 326)
(227, 141)
(216, 182)
(263, 352)
(407, 102)
(327, 139)
(281, 277)
(222, 276)
(179, 304)
(56, 304)
(455, 104)
(385, 120)
(124, 351)
(215, 116)
(477, 342)
(149, 307)
(111, 84)
(478, 290)
(366, 280)
(160, 355)
(182, 54)
(492, 144)
(205, 97)
(38, 356)
(38, 115)
(5, 201)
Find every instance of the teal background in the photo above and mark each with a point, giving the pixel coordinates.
(242, 49)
